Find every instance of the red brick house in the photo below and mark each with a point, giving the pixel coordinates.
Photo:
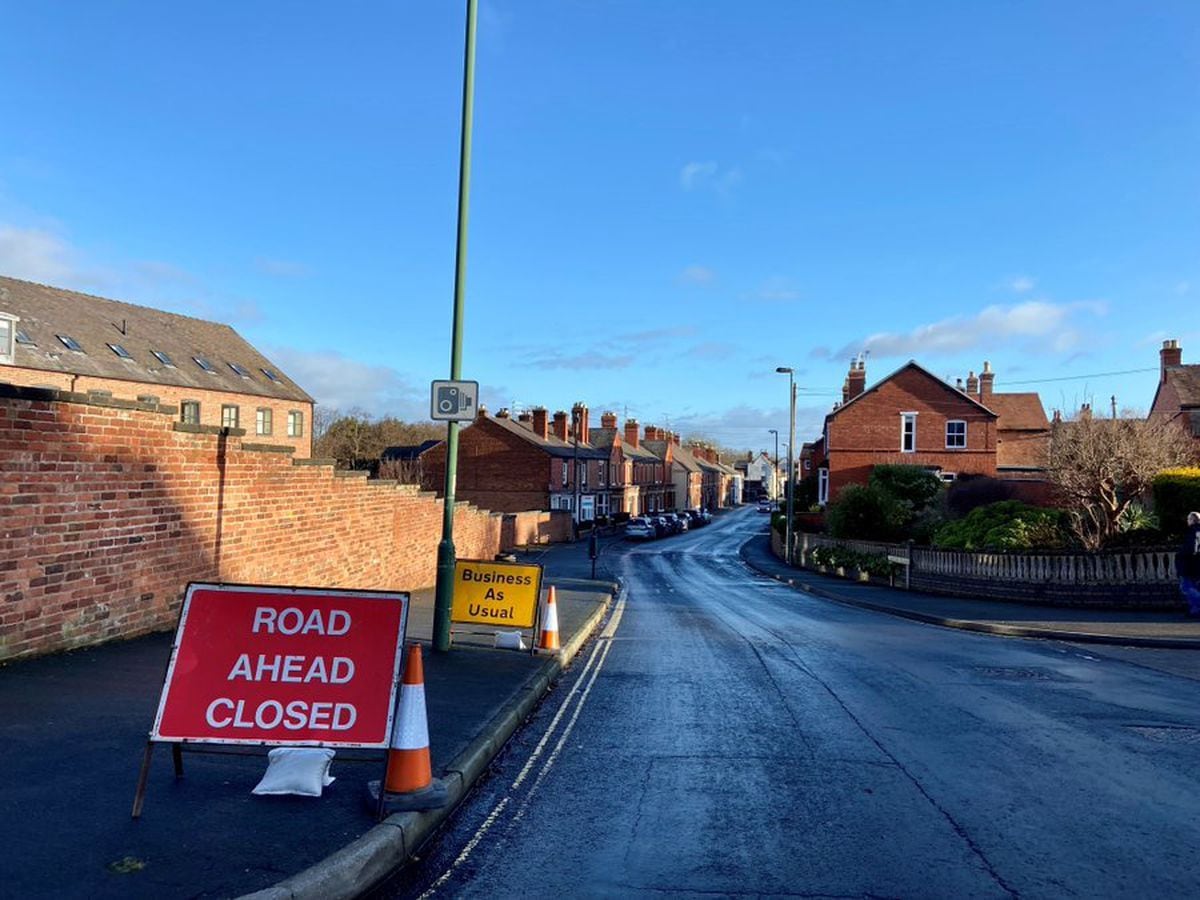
(68, 341)
(1177, 397)
(913, 417)
(532, 462)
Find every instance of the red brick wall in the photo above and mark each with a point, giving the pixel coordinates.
(536, 526)
(110, 509)
(496, 470)
(867, 433)
(169, 395)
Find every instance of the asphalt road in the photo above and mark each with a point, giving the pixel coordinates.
(728, 735)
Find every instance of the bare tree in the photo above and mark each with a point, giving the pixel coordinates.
(1101, 466)
(405, 471)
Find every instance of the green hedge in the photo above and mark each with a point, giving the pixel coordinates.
(1008, 525)
(1176, 493)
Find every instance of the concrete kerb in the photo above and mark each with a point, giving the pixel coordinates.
(993, 628)
(369, 859)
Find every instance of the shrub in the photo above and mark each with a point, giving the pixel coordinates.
(1176, 493)
(1008, 525)
(970, 492)
(867, 513)
(913, 486)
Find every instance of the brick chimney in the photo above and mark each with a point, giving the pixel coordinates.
(856, 381)
(608, 420)
(579, 417)
(631, 432)
(1171, 354)
(652, 433)
(675, 439)
(986, 380)
(972, 384)
(560, 424)
(502, 413)
(539, 422)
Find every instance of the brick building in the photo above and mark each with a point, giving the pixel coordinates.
(68, 341)
(651, 472)
(532, 462)
(1177, 397)
(912, 417)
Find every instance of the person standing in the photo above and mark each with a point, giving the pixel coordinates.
(1187, 564)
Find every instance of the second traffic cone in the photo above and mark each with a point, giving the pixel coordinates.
(409, 783)
(549, 636)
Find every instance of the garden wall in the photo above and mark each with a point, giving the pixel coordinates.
(536, 526)
(110, 507)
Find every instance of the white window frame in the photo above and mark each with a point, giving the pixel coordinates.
(8, 344)
(905, 418)
(295, 423)
(582, 473)
(237, 415)
(263, 421)
(564, 473)
(963, 445)
(822, 486)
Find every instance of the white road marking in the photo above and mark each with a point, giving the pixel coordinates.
(598, 656)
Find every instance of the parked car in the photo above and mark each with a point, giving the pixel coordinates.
(640, 529)
(765, 505)
(679, 521)
(698, 518)
(661, 525)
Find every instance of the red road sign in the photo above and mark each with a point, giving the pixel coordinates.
(268, 665)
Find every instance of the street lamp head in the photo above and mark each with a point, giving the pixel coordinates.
(784, 370)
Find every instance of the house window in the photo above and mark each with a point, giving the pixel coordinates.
(240, 370)
(956, 435)
(295, 426)
(564, 473)
(908, 432)
(262, 421)
(7, 327)
(582, 473)
(163, 358)
(189, 412)
(69, 342)
(807, 465)
(229, 416)
(600, 473)
(120, 351)
(822, 486)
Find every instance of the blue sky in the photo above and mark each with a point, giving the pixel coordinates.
(669, 199)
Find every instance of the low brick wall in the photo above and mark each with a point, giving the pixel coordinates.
(535, 526)
(109, 509)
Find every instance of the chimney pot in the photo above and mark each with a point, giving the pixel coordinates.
(631, 432)
(608, 420)
(987, 379)
(1171, 354)
(856, 381)
(540, 425)
(560, 424)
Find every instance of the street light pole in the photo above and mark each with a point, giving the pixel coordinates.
(775, 470)
(787, 553)
(444, 592)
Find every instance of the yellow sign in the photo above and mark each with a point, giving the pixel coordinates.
(490, 593)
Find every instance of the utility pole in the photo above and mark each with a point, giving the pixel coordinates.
(575, 473)
(444, 593)
(791, 374)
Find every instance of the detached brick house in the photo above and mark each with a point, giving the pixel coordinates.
(68, 341)
(913, 417)
(1177, 397)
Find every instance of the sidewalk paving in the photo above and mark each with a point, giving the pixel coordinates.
(1166, 630)
(73, 727)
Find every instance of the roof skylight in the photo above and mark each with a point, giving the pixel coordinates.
(120, 351)
(24, 338)
(163, 358)
(241, 370)
(205, 364)
(69, 342)
(272, 375)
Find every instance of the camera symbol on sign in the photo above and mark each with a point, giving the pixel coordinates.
(447, 400)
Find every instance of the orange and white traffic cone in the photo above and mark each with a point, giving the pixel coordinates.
(409, 783)
(549, 636)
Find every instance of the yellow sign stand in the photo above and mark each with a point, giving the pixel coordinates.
(498, 594)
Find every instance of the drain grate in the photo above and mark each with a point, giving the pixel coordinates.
(1168, 734)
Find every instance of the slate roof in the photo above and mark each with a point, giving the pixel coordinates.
(1018, 412)
(408, 452)
(551, 445)
(678, 454)
(1186, 380)
(95, 322)
(911, 364)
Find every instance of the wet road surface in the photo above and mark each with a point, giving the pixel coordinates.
(729, 736)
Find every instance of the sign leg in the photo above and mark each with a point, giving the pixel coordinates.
(140, 794)
(177, 758)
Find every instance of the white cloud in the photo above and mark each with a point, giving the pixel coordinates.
(36, 255)
(1035, 323)
(343, 383)
(709, 176)
(590, 359)
(1022, 284)
(281, 268)
(697, 275)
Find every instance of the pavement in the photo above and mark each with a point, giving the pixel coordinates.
(73, 728)
(1151, 628)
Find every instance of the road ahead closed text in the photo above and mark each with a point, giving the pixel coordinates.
(269, 665)
(504, 594)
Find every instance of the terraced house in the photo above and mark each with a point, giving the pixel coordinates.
(69, 341)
